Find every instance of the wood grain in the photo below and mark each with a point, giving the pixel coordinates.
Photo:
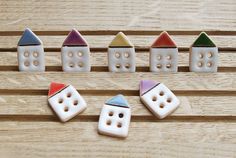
(102, 41)
(105, 81)
(110, 15)
(208, 105)
(203, 126)
(37, 139)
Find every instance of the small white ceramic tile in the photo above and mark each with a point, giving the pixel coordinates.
(203, 59)
(31, 58)
(114, 121)
(163, 59)
(121, 59)
(160, 100)
(67, 103)
(75, 59)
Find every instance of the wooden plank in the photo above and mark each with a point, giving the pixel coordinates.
(53, 139)
(129, 15)
(102, 41)
(98, 59)
(190, 105)
(103, 81)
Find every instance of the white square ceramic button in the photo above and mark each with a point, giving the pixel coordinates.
(203, 55)
(121, 54)
(164, 54)
(65, 101)
(115, 117)
(30, 52)
(158, 98)
(75, 53)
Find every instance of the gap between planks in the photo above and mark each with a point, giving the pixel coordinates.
(105, 69)
(193, 108)
(124, 92)
(95, 118)
(104, 49)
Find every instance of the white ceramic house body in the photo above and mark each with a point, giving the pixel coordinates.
(203, 59)
(114, 121)
(75, 59)
(160, 101)
(121, 59)
(31, 58)
(67, 103)
(163, 59)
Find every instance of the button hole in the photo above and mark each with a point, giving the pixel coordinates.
(68, 95)
(60, 101)
(117, 55)
(76, 102)
(162, 106)
(80, 54)
(161, 93)
(70, 54)
(26, 63)
(119, 125)
(111, 113)
(127, 54)
(26, 53)
(127, 66)
(154, 98)
(168, 66)
(159, 66)
(108, 122)
(121, 115)
(118, 66)
(66, 109)
(81, 64)
(35, 54)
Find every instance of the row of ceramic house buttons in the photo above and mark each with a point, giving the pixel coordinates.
(75, 54)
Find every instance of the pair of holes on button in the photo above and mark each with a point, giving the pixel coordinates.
(121, 115)
(127, 66)
(209, 55)
(80, 64)
(168, 57)
(119, 124)
(118, 55)
(154, 98)
(159, 66)
(35, 54)
(35, 63)
(80, 54)
(200, 64)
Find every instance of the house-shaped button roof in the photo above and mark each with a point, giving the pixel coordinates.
(74, 38)
(118, 100)
(29, 38)
(203, 40)
(121, 40)
(164, 41)
(55, 88)
(147, 85)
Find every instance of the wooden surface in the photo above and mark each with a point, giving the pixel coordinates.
(203, 126)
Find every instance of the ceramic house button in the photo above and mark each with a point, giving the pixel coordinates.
(121, 54)
(75, 53)
(203, 55)
(30, 52)
(163, 54)
(65, 101)
(158, 98)
(115, 117)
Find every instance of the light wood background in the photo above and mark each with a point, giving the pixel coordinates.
(204, 125)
